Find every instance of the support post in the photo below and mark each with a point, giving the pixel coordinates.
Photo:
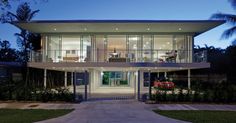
(65, 79)
(86, 85)
(165, 75)
(150, 85)
(45, 78)
(189, 79)
(138, 85)
(72, 78)
(74, 86)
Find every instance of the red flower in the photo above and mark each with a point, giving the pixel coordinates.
(164, 85)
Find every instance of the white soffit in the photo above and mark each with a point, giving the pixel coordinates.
(120, 26)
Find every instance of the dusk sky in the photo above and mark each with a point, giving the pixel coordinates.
(131, 10)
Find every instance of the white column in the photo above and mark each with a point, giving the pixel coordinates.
(45, 78)
(165, 74)
(65, 79)
(135, 83)
(189, 79)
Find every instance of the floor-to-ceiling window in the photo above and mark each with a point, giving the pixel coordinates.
(70, 48)
(184, 48)
(53, 51)
(100, 48)
(115, 78)
(86, 48)
(116, 48)
(163, 45)
(147, 47)
(133, 47)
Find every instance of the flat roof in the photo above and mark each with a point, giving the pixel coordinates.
(194, 27)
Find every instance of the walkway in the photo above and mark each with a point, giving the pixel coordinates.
(115, 111)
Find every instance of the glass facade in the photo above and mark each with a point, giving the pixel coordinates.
(118, 48)
(115, 78)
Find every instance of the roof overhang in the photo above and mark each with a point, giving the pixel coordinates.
(194, 27)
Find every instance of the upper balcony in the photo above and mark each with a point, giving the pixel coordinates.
(134, 56)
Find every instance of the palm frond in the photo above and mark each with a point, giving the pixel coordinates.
(229, 33)
(222, 16)
(32, 14)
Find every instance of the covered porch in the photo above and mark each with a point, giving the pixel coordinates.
(88, 80)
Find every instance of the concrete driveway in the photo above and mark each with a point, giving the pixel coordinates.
(113, 111)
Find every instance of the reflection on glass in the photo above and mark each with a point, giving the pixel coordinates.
(53, 49)
(147, 48)
(132, 54)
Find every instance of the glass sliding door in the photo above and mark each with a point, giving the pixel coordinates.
(86, 48)
(147, 47)
(133, 47)
(116, 48)
(184, 47)
(71, 48)
(53, 51)
(164, 48)
(100, 48)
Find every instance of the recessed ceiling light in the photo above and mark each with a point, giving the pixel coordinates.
(148, 29)
(117, 29)
(168, 42)
(85, 29)
(55, 29)
(180, 28)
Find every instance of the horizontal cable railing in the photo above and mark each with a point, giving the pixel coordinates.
(116, 55)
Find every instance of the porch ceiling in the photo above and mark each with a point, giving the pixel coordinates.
(194, 27)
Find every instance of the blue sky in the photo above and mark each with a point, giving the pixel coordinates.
(131, 9)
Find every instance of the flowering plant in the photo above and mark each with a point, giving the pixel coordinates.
(164, 85)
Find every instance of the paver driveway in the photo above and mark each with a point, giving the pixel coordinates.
(114, 111)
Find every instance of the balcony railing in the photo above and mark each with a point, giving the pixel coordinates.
(97, 55)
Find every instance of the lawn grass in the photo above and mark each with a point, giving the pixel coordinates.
(29, 115)
(200, 116)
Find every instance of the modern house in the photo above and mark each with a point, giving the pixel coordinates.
(117, 56)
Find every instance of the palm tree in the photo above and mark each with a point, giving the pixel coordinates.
(23, 14)
(230, 19)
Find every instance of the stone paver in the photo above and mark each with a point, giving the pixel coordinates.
(112, 112)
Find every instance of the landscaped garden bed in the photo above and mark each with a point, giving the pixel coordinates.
(168, 93)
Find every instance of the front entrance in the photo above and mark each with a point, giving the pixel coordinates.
(105, 84)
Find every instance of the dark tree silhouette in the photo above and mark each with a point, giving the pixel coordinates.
(230, 19)
(7, 54)
(23, 14)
